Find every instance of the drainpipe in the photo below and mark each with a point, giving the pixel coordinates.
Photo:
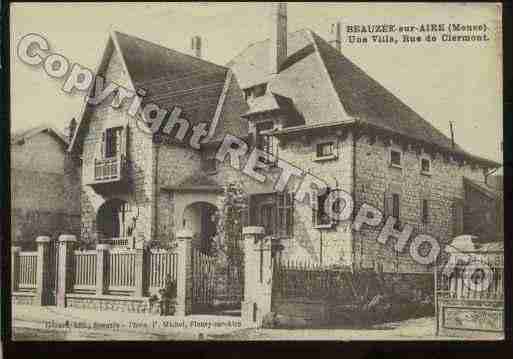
(353, 194)
(156, 191)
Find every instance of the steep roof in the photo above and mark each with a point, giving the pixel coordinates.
(352, 95)
(24, 135)
(491, 192)
(171, 78)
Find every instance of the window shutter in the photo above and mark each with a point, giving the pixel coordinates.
(251, 212)
(124, 140)
(457, 216)
(102, 145)
(314, 201)
(388, 204)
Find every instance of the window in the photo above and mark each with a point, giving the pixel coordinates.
(285, 214)
(111, 142)
(395, 158)
(425, 165)
(319, 216)
(259, 90)
(255, 91)
(275, 213)
(425, 211)
(395, 205)
(325, 149)
(209, 164)
(266, 143)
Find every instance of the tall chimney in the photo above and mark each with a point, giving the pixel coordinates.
(196, 46)
(278, 38)
(336, 36)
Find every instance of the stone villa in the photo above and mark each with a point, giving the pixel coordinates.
(294, 95)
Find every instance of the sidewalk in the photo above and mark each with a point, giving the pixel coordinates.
(51, 323)
(81, 324)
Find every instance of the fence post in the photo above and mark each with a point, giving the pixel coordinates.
(42, 273)
(65, 272)
(15, 268)
(184, 273)
(139, 271)
(257, 276)
(101, 267)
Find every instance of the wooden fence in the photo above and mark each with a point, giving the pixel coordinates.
(121, 271)
(84, 278)
(27, 271)
(161, 264)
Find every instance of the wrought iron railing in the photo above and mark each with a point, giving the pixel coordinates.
(108, 169)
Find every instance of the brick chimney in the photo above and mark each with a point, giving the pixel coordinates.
(278, 36)
(196, 46)
(336, 36)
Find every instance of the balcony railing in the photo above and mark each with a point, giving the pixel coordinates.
(108, 169)
(126, 242)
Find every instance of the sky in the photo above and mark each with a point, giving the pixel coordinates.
(444, 81)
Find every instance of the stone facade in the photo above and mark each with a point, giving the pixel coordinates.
(44, 190)
(374, 176)
(140, 160)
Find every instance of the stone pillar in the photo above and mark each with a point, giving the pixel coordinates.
(257, 276)
(184, 273)
(15, 268)
(65, 271)
(140, 256)
(42, 273)
(102, 253)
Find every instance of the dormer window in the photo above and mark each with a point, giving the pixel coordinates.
(255, 91)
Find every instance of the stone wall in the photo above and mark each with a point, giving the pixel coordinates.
(44, 190)
(336, 241)
(111, 303)
(140, 191)
(375, 176)
(20, 298)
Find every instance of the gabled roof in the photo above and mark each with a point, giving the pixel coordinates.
(490, 192)
(267, 103)
(170, 78)
(24, 135)
(349, 93)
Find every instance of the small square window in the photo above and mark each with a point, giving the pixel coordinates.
(425, 165)
(325, 149)
(395, 158)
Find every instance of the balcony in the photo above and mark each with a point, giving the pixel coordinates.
(108, 172)
(120, 242)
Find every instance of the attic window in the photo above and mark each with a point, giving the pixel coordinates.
(255, 91)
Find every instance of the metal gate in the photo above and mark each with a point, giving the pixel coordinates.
(217, 285)
(50, 274)
(467, 305)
